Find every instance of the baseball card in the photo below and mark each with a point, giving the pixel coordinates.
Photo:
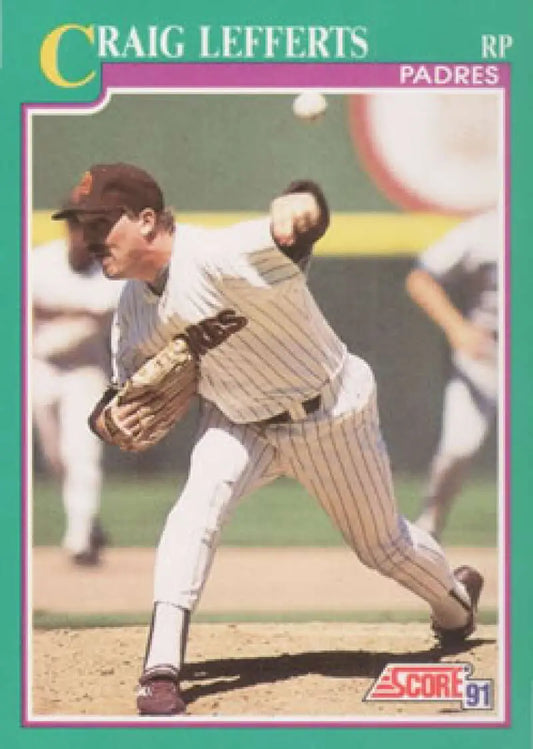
(267, 469)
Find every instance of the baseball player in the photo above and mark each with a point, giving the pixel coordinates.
(72, 308)
(279, 394)
(465, 259)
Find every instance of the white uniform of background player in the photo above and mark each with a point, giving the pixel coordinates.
(465, 260)
(279, 392)
(72, 309)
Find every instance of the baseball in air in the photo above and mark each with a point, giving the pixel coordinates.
(309, 105)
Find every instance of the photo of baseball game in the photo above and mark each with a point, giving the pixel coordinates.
(266, 407)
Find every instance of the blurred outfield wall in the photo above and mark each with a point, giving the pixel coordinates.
(220, 158)
(209, 152)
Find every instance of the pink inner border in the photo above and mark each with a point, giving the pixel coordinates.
(245, 76)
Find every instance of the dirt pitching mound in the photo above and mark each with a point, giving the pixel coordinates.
(281, 671)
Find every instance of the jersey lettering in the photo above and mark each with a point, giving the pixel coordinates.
(211, 332)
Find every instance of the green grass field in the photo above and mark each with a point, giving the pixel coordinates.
(61, 620)
(281, 514)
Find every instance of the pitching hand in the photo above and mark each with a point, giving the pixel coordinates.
(293, 216)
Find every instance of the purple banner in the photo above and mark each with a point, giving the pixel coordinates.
(304, 75)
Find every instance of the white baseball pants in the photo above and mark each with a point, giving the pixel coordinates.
(338, 454)
(466, 421)
(62, 401)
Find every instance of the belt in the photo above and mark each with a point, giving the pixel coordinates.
(308, 406)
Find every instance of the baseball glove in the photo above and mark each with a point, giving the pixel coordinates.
(153, 399)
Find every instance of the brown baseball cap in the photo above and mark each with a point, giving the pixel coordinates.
(106, 187)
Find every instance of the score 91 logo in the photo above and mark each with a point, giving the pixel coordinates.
(432, 682)
(477, 694)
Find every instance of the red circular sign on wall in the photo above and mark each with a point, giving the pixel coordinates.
(439, 151)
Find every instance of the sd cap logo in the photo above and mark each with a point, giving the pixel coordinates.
(83, 188)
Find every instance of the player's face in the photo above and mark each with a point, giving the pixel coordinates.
(116, 241)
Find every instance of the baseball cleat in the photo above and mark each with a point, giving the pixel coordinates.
(97, 540)
(159, 693)
(473, 582)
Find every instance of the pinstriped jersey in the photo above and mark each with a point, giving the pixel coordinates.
(277, 349)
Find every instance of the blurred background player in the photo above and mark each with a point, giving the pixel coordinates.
(461, 265)
(72, 308)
